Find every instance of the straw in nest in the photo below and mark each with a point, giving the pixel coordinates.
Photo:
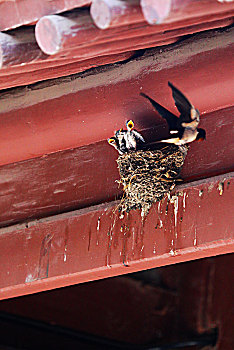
(148, 176)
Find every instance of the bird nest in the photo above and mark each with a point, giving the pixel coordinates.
(148, 176)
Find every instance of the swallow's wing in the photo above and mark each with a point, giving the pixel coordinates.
(182, 103)
(174, 140)
(171, 118)
(138, 136)
(123, 145)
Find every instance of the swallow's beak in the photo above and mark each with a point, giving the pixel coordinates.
(111, 141)
(130, 124)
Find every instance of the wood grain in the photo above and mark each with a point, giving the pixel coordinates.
(95, 243)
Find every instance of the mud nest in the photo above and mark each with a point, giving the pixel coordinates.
(148, 176)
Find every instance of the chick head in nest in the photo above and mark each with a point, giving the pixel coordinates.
(148, 176)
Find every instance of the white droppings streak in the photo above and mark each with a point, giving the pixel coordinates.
(133, 238)
(142, 248)
(176, 205)
(159, 207)
(195, 238)
(184, 199)
(29, 278)
(58, 191)
(160, 223)
(171, 252)
(154, 250)
(221, 188)
(98, 224)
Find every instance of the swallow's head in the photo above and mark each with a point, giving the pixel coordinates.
(130, 125)
(118, 132)
(201, 136)
(195, 114)
(112, 141)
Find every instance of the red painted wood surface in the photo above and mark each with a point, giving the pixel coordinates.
(27, 74)
(86, 308)
(176, 301)
(221, 314)
(20, 12)
(76, 31)
(207, 299)
(19, 48)
(100, 44)
(59, 251)
(103, 99)
(167, 11)
(57, 33)
(13, 56)
(87, 175)
(110, 13)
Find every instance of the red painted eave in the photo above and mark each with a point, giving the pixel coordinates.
(86, 108)
(96, 243)
(56, 167)
(51, 50)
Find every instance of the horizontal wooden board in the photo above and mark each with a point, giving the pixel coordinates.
(95, 243)
(24, 64)
(20, 12)
(63, 113)
(87, 175)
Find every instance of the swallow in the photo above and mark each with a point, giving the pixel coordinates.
(120, 136)
(184, 129)
(126, 140)
(113, 141)
(129, 139)
(133, 137)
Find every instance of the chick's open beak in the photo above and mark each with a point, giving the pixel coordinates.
(130, 124)
(111, 140)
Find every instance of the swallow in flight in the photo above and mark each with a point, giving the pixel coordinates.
(183, 129)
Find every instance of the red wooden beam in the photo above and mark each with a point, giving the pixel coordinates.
(167, 11)
(20, 54)
(73, 60)
(19, 48)
(95, 243)
(175, 307)
(24, 74)
(104, 99)
(87, 175)
(20, 12)
(86, 305)
(56, 33)
(207, 299)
